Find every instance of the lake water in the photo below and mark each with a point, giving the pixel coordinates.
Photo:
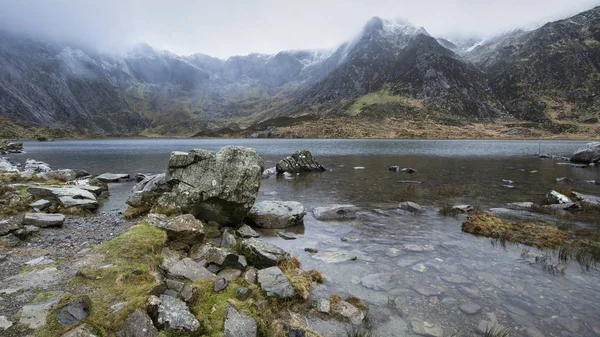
(400, 284)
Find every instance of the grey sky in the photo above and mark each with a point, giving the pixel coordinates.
(237, 27)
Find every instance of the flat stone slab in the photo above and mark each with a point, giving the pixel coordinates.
(334, 257)
(411, 247)
(191, 270)
(83, 330)
(40, 204)
(138, 324)
(34, 314)
(426, 290)
(335, 212)
(42, 260)
(379, 282)
(112, 177)
(410, 206)
(43, 219)
(427, 329)
(349, 311)
(470, 308)
(42, 279)
(238, 324)
(246, 232)
(456, 279)
(273, 282)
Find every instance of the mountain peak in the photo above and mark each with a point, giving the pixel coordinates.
(392, 27)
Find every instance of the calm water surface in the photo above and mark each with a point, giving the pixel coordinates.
(460, 269)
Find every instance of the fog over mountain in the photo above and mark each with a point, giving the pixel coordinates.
(240, 27)
(78, 68)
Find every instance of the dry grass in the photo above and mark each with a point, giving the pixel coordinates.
(565, 189)
(409, 192)
(449, 191)
(301, 280)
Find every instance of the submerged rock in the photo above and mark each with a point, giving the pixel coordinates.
(334, 257)
(220, 186)
(587, 198)
(301, 161)
(588, 154)
(410, 206)
(427, 329)
(274, 283)
(277, 214)
(238, 324)
(335, 212)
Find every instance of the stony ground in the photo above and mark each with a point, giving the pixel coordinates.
(61, 248)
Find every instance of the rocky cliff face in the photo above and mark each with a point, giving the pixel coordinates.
(544, 75)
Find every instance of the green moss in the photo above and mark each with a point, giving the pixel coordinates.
(168, 211)
(135, 256)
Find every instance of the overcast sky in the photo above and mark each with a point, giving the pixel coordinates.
(237, 27)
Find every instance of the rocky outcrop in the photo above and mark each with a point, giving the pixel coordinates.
(184, 229)
(301, 161)
(588, 154)
(66, 196)
(277, 214)
(148, 190)
(220, 186)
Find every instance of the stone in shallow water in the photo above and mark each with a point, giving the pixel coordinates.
(393, 252)
(410, 206)
(418, 248)
(379, 282)
(407, 261)
(246, 232)
(34, 314)
(277, 214)
(273, 282)
(334, 257)
(349, 311)
(427, 329)
(335, 212)
(456, 279)
(238, 324)
(323, 305)
(427, 290)
(112, 177)
(287, 235)
(5, 323)
(470, 308)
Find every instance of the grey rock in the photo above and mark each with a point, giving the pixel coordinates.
(557, 198)
(349, 311)
(221, 187)
(292, 331)
(587, 198)
(470, 308)
(262, 254)
(427, 290)
(148, 190)
(187, 292)
(170, 257)
(37, 166)
(323, 305)
(184, 229)
(418, 248)
(9, 240)
(5, 323)
(287, 235)
(173, 314)
(250, 275)
(43, 220)
(220, 284)
(175, 285)
(73, 312)
(138, 324)
(34, 314)
(191, 270)
(274, 283)
(520, 205)
(228, 240)
(238, 324)
(246, 232)
(379, 281)
(335, 212)
(26, 231)
(427, 329)
(64, 175)
(113, 177)
(66, 196)
(393, 252)
(223, 257)
(301, 161)
(450, 302)
(229, 274)
(588, 154)
(42, 279)
(83, 330)
(410, 206)
(156, 219)
(41, 204)
(42, 260)
(243, 293)
(334, 256)
(456, 279)
(277, 214)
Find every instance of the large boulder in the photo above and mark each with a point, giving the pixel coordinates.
(220, 186)
(36, 166)
(588, 154)
(301, 161)
(274, 283)
(173, 314)
(146, 192)
(43, 220)
(277, 214)
(138, 324)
